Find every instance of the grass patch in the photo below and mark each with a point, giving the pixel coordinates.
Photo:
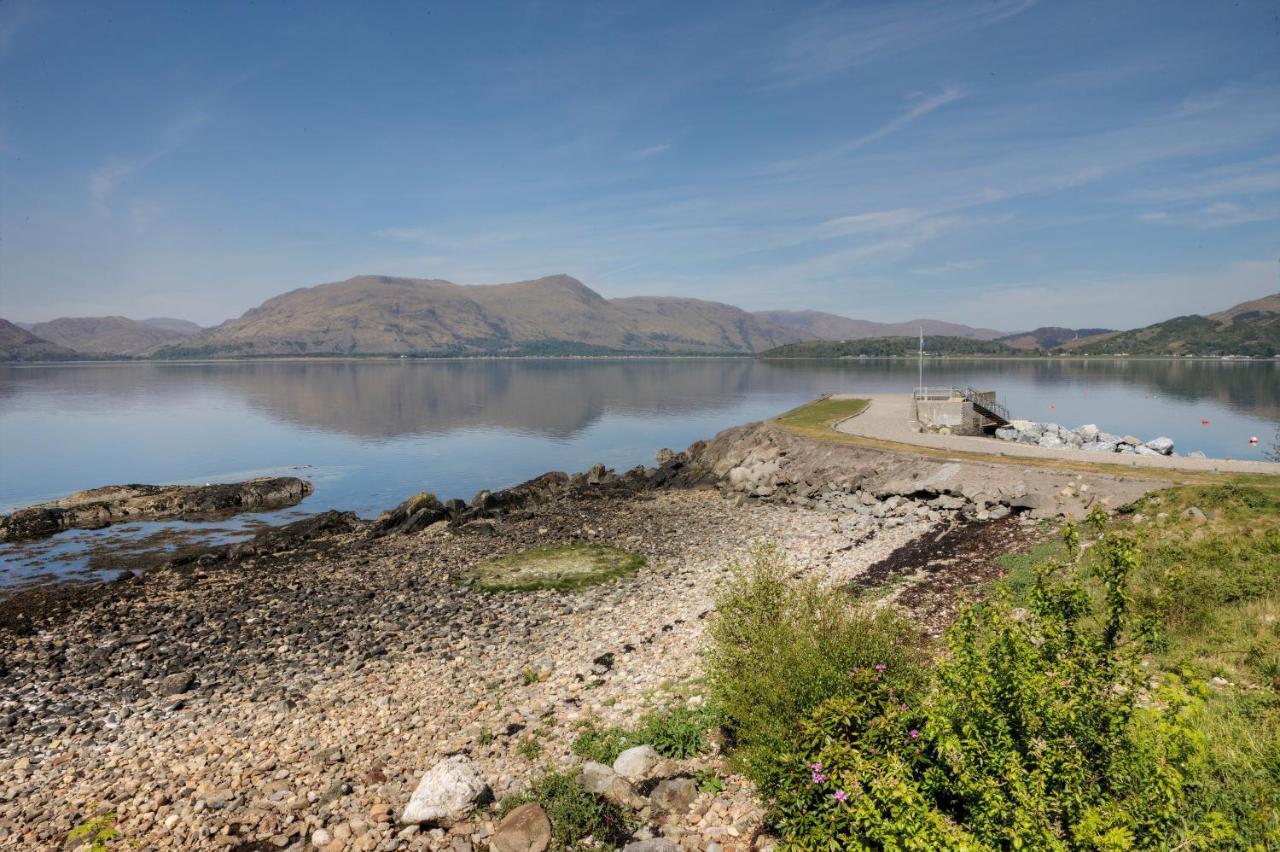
(822, 413)
(563, 566)
(576, 814)
(677, 732)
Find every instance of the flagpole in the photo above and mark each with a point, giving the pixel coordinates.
(920, 360)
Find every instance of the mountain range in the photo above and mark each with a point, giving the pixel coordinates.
(559, 315)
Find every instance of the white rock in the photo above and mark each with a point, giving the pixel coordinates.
(1051, 442)
(634, 763)
(1089, 432)
(447, 793)
(1144, 450)
(1161, 445)
(321, 838)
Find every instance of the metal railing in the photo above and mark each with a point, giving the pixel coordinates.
(966, 393)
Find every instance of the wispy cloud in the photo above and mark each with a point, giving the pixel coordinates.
(844, 37)
(107, 178)
(1220, 214)
(951, 267)
(915, 113)
(646, 153)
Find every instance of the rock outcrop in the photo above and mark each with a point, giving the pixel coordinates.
(101, 507)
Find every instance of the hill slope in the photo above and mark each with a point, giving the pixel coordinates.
(880, 347)
(18, 344)
(553, 315)
(169, 323)
(1050, 337)
(1250, 328)
(107, 335)
(817, 325)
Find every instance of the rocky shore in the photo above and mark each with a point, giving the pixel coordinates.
(101, 507)
(294, 690)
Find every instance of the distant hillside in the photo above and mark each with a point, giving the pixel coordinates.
(549, 316)
(107, 335)
(18, 344)
(881, 347)
(1050, 337)
(170, 324)
(817, 325)
(1251, 328)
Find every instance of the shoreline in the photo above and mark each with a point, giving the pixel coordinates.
(261, 693)
(651, 356)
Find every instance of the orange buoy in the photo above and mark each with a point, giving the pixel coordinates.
(1204, 421)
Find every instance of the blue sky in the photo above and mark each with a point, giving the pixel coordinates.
(1005, 163)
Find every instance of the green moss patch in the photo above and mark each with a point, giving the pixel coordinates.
(564, 566)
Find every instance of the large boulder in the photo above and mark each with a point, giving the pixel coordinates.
(674, 795)
(1007, 433)
(634, 763)
(1051, 441)
(418, 512)
(1099, 447)
(1089, 432)
(525, 829)
(1163, 446)
(448, 793)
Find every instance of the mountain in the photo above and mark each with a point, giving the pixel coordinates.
(1250, 328)
(1050, 337)
(553, 315)
(170, 324)
(107, 335)
(817, 325)
(882, 347)
(18, 344)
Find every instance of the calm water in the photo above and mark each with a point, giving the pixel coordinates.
(370, 433)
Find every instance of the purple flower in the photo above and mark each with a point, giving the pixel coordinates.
(914, 734)
(880, 667)
(904, 705)
(815, 767)
(840, 796)
(819, 778)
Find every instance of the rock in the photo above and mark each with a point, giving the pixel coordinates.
(176, 683)
(1144, 450)
(447, 793)
(1051, 442)
(664, 455)
(1163, 446)
(321, 838)
(1007, 433)
(101, 507)
(674, 795)
(656, 844)
(596, 777)
(1194, 513)
(1027, 501)
(1089, 432)
(1196, 454)
(1099, 447)
(416, 513)
(526, 829)
(634, 763)
(1130, 440)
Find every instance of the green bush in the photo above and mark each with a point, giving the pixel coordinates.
(575, 813)
(778, 648)
(1039, 731)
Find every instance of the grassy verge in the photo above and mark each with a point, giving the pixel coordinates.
(564, 566)
(817, 420)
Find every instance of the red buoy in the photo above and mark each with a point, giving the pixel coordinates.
(1204, 421)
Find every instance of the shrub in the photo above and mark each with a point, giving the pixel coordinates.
(1038, 732)
(778, 648)
(575, 813)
